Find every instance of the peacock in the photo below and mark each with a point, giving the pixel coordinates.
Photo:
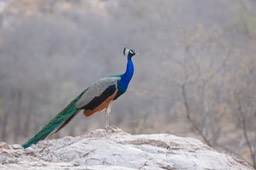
(97, 97)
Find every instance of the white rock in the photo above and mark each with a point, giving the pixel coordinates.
(119, 150)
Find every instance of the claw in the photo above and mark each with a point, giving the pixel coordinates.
(111, 129)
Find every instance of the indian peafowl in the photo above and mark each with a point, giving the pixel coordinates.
(97, 97)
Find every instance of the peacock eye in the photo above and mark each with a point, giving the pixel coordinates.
(132, 52)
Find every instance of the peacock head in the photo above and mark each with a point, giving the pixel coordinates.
(129, 52)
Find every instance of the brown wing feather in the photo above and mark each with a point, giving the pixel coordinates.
(102, 106)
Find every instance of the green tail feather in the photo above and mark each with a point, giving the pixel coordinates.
(57, 122)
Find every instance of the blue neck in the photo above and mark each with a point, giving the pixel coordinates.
(127, 76)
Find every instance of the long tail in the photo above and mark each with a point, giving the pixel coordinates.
(58, 122)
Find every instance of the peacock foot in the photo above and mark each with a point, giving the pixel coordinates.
(111, 129)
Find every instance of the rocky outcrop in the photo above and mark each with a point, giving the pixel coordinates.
(117, 150)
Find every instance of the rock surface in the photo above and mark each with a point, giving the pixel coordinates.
(117, 151)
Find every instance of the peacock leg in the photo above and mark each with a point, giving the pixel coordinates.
(107, 111)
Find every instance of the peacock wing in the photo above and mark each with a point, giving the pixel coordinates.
(95, 90)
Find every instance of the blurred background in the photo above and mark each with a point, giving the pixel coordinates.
(195, 75)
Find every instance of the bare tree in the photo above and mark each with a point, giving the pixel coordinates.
(197, 75)
(246, 129)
